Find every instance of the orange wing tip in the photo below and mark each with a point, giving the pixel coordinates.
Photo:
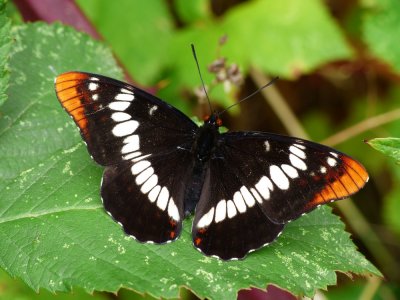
(69, 79)
(71, 98)
(352, 178)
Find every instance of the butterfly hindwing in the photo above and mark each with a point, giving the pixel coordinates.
(146, 196)
(228, 222)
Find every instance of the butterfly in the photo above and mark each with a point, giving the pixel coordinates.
(160, 167)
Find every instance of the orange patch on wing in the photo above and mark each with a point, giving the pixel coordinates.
(71, 98)
(352, 179)
(197, 241)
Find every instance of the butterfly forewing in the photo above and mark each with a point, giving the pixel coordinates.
(292, 175)
(139, 138)
(118, 120)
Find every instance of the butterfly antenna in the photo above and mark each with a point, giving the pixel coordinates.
(201, 77)
(251, 95)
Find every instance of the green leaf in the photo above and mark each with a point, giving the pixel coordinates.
(5, 45)
(192, 11)
(30, 128)
(388, 146)
(15, 289)
(381, 23)
(54, 233)
(139, 32)
(288, 38)
(277, 36)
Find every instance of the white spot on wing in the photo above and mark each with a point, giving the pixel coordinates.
(132, 146)
(331, 161)
(267, 146)
(323, 169)
(125, 128)
(94, 79)
(334, 154)
(256, 195)
(132, 155)
(290, 171)
(149, 184)
(162, 200)
(140, 166)
(206, 219)
(278, 177)
(247, 196)
(119, 105)
(93, 86)
(173, 210)
(297, 162)
(154, 193)
(300, 146)
(126, 91)
(239, 202)
(152, 109)
(124, 97)
(231, 209)
(142, 177)
(130, 139)
(220, 211)
(297, 151)
(263, 187)
(95, 97)
(120, 116)
(136, 159)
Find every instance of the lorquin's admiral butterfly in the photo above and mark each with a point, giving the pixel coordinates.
(243, 187)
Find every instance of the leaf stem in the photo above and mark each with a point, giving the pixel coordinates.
(371, 288)
(362, 126)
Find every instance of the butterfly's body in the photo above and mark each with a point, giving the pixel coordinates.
(243, 187)
(205, 141)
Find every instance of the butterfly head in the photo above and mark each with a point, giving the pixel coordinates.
(213, 119)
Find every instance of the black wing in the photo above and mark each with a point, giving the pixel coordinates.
(138, 138)
(263, 181)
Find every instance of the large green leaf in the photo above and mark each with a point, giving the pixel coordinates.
(5, 45)
(381, 27)
(54, 233)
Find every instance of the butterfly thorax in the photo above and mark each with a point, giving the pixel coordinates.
(206, 139)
